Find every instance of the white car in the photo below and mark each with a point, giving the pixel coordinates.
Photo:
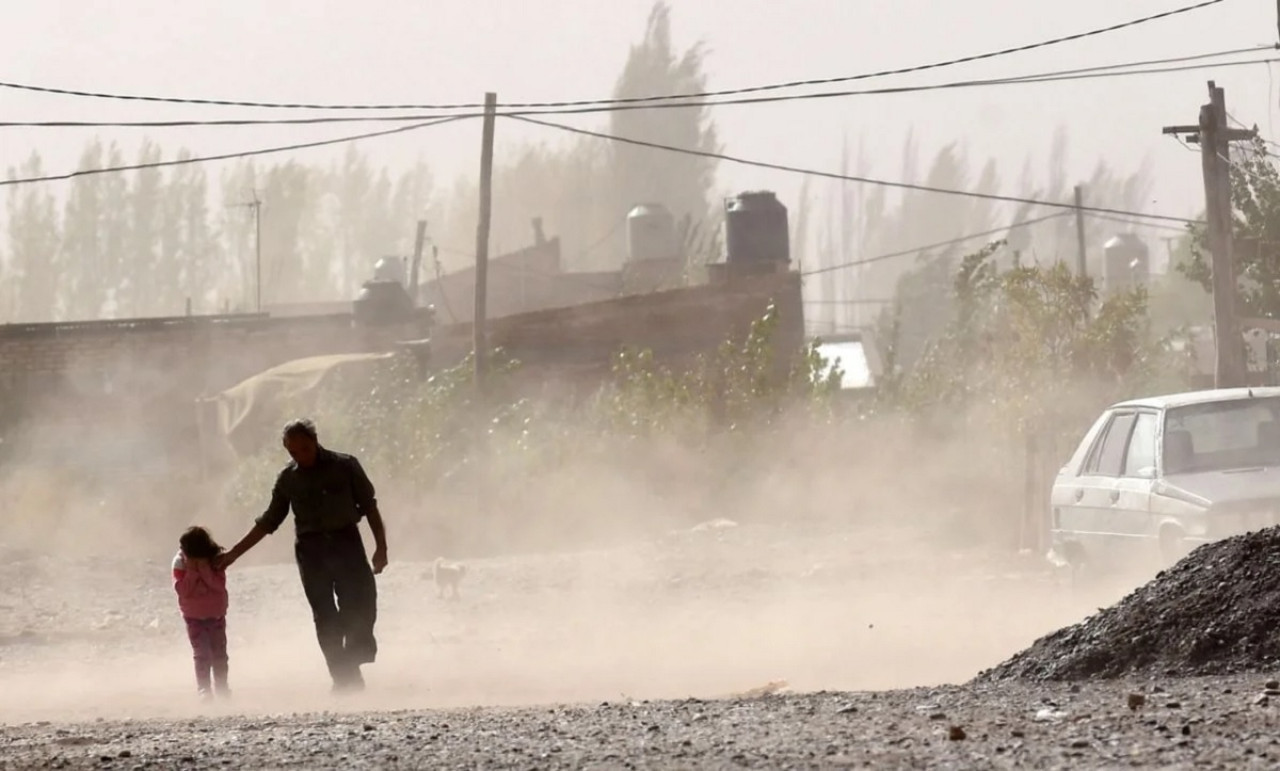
(1155, 477)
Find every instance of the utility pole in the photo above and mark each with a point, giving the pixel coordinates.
(1082, 266)
(1215, 140)
(419, 241)
(482, 241)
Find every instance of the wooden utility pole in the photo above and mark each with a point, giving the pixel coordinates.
(482, 240)
(257, 244)
(1082, 266)
(419, 240)
(1215, 139)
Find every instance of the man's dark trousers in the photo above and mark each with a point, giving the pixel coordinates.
(333, 565)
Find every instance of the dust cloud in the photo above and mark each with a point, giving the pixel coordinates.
(862, 556)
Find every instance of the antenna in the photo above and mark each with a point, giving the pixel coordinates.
(256, 206)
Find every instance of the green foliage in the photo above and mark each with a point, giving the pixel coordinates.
(427, 434)
(1023, 340)
(1255, 200)
(740, 385)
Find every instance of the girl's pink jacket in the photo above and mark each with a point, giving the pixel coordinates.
(202, 590)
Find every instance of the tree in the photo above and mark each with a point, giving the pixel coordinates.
(147, 280)
(189, 249)
(681, 182)
(82, 255)
(1255, 225)
(1028, 341)
(34, 238)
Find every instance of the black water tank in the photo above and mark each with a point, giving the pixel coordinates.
(756, 229)
(382, 302)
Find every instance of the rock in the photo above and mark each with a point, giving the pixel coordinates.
(847, 709)
(1272, 685)
(1263, 700)
(956, 734)
(1136, 701)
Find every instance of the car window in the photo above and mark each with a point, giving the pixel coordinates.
(1108, 456)
(1216, 436)
(1142, 445)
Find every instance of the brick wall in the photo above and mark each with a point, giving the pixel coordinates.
(674, 324)
(124, 391)
(527, 280)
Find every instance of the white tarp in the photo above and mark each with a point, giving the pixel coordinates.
(240, 419)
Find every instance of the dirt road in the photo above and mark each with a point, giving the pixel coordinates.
(701, 614)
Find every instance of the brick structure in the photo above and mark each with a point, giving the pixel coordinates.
(122, 392)
(676, 324)
(527, 280)
(113, 398)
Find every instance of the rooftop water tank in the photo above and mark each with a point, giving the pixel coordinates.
(391, 269)
(651, 234)
(1126, 263)
(382, 302)
(756, 229)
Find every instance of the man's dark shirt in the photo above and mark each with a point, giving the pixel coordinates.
(332, 494)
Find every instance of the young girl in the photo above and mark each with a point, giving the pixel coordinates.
(202, 598)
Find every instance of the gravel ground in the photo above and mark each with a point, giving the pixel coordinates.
(1211, 723)
(95, 671)
(1216, 612)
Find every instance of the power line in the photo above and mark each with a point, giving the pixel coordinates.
(1135, 223)
(846, 177)
(622, 100)
(928, 247)
(228, 156)
(1082, 73)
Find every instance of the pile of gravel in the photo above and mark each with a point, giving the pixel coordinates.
(1216, 612)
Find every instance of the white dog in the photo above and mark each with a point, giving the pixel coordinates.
(447, 576)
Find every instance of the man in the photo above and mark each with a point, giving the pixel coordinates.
(329, 494)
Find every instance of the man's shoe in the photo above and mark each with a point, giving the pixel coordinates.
(349, 682)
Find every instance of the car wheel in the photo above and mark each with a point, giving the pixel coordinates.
(1172, 546)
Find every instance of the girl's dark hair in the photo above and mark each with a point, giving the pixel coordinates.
(198, 544)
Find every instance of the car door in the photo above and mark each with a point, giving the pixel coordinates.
(1097, 492)
(1130, 515)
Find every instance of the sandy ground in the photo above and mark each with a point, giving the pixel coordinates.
(697, 614)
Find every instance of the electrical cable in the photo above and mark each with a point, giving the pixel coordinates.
(227, 156)
(845, 177)
(1123, 221)
(1082, 73)
(624, 100)
(929, 247)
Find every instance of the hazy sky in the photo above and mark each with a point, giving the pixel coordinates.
(454, 50)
